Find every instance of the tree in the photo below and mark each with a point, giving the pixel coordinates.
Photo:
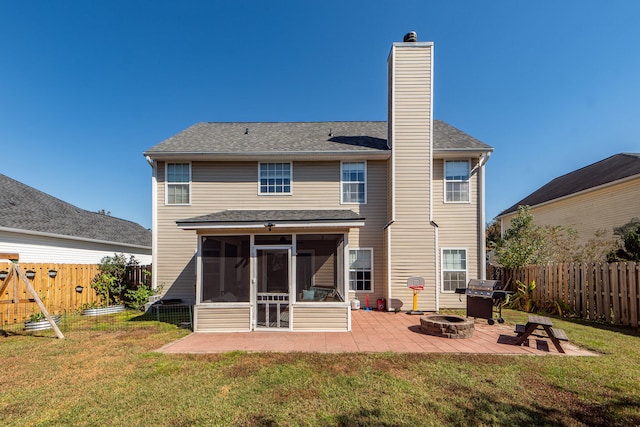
(104, 212)
(111, 281)
(629, 234)
(523, 242)
(598, 248)
(492, 233)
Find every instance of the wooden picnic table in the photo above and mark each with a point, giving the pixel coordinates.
(541, 323)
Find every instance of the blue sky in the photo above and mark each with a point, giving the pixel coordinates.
(87, 86)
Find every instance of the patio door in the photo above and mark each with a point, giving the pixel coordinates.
(273, 271)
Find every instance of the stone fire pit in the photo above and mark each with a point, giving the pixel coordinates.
(447, 326)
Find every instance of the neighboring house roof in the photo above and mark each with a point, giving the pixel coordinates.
(300, 137)
(614, 168)
(25, 208)
(274, 216)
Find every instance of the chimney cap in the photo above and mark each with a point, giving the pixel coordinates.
(411, 37)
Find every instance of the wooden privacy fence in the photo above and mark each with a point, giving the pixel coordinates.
(59, 293)
(139, 275)
(595, 291)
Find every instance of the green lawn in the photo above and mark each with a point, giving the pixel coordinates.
(115, 378)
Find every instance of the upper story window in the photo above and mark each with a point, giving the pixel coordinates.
(354, 182)
(178, 184)
(456, 176)
(454, 269)
(275, 178)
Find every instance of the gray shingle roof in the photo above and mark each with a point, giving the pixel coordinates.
(611, 169)
(240, 216)
(447, 137)
(300, 137)
(25, 208)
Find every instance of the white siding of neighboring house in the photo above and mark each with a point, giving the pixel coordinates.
(34, 248)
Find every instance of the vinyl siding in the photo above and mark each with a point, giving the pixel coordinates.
(220, 319)
(320, 318)
(45, 249)
(218, 186)
(371, 236)
(176, 249)
(458, 227)
(599, 209)
(412, 236)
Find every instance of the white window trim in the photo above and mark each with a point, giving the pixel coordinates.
(290, 193)
(445, 180)
(349, 271)
(342, 202)
(166, 184)
(442, 269)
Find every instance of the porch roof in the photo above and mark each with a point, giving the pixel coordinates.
(273, 218)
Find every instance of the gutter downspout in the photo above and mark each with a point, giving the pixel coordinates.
(483, 236)
(154, 221)
(435, 245)
(431, 219)
(391, 131)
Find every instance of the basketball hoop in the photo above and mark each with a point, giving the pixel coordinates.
(416, 284)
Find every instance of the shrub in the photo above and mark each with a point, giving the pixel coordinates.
(629, 233)
(523, 297)
(138, 297)
(111, 281)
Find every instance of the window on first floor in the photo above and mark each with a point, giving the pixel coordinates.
(456, 176)
(275, 178)
(361, 269)
(454, 269)
(178, 183)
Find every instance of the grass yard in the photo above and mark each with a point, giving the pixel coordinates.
(95, 378)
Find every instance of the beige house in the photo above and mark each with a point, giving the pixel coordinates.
(597, 197)
(283, 225)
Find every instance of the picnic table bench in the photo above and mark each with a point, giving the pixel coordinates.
(541, 323)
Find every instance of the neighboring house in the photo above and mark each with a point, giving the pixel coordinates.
(267, 225)
(43, 229)
(600, 196)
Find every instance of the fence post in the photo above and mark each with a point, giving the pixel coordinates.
(633, 294)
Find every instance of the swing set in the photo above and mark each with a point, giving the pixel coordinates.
(15, 272)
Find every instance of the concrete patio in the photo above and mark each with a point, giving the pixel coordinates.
(372, 331)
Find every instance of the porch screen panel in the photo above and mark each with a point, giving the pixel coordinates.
(319, 275)
(225, 269)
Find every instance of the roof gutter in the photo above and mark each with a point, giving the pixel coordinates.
(261, 225)
(295, 155)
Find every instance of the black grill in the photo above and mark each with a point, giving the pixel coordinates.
(483, 298)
